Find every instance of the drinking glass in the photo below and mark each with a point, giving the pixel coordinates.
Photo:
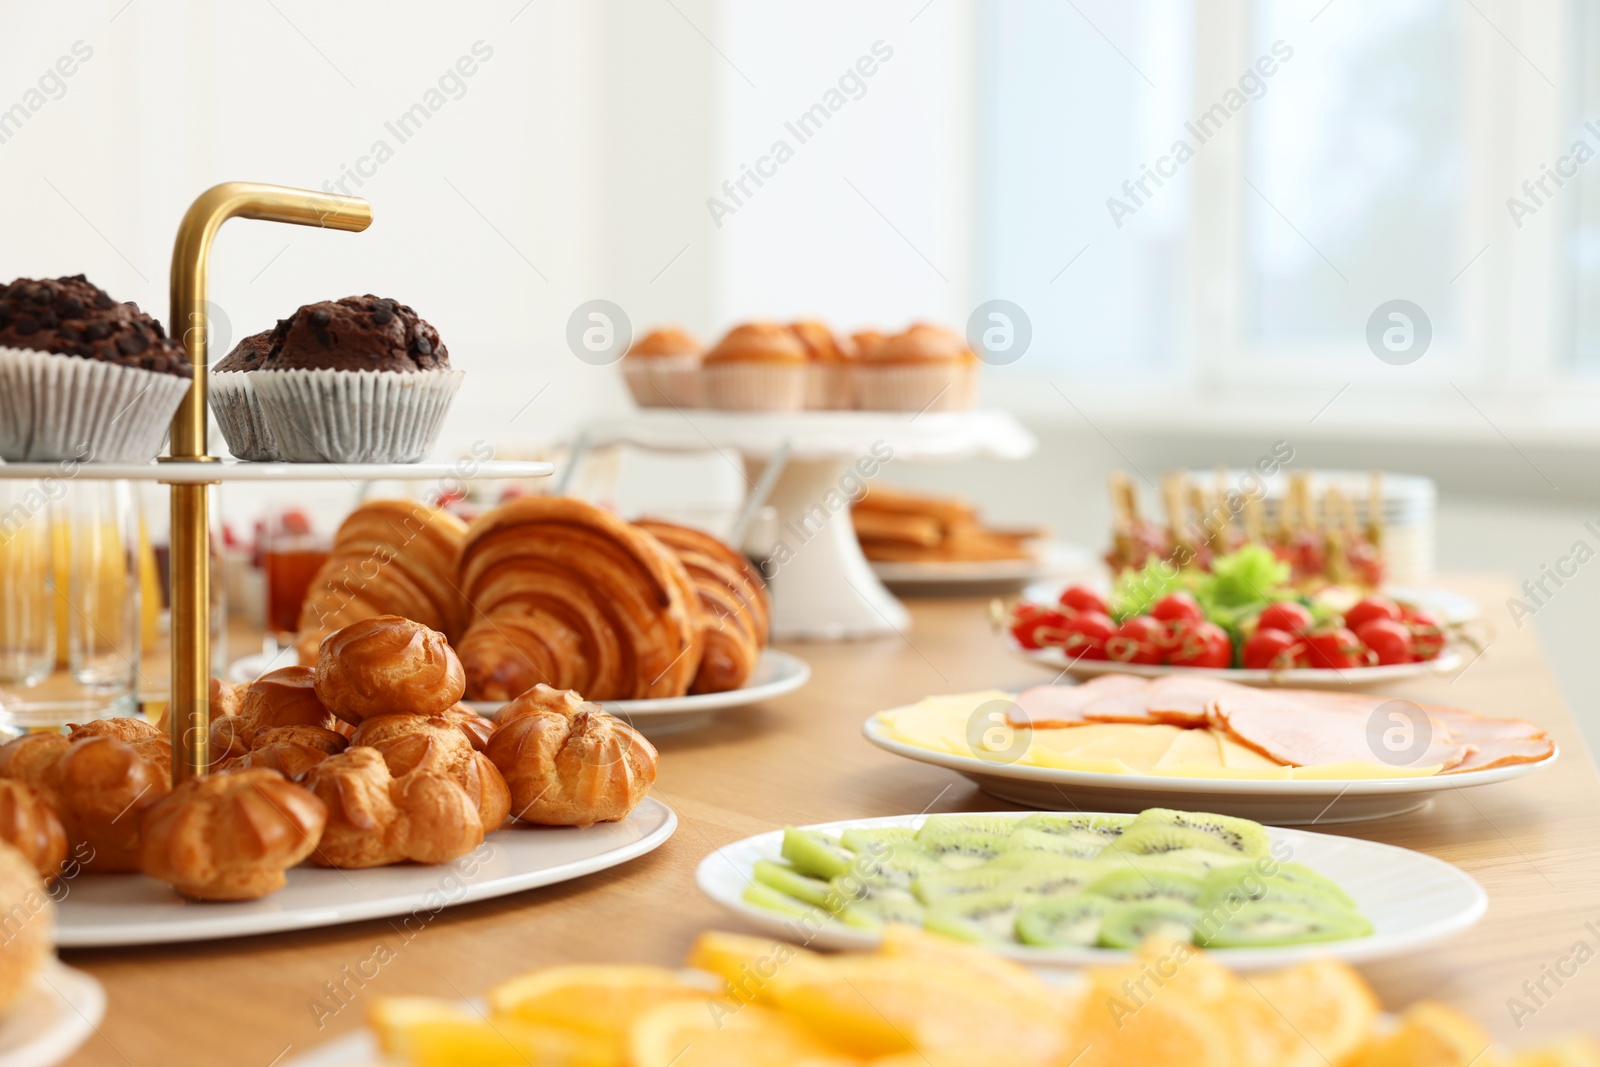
(70, 597)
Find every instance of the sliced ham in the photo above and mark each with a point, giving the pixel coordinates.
(1181, 699)
(1048, 707)
(1302, 730)
(1502, 752)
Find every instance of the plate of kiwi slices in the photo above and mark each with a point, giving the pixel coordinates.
(1076, 888)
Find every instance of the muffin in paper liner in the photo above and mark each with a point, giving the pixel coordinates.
(664, 381)
(345, 416)
(240, 416)
(941, 386)
(755, 385)
(59, 407)
(831, 386)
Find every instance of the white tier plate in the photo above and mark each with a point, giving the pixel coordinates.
(1411, 899)
(777, 673)
(57, 1014)
(131, 909)
(1282, 803)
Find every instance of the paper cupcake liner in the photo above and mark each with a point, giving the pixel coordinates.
(348, 416)
(830, 387)
(755, 386)
(56, 407)
(916, 387)
(664, 381)
(240, 416)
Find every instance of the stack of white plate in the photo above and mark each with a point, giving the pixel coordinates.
(1409, 502)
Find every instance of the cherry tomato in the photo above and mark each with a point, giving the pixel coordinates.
(1035, 627)
(1200, 644)
(1086, 634)
(1389, 639)
(1373, 607)
(1285, 615)
(1084, 598)
(1335, 649)
(1140, 639)
(1270, 649)
(1178, 606)
(1427, 633)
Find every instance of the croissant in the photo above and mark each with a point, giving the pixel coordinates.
(568, 763)
(30, 825)
(734, 613)
(98, 787)
(438, 745)
(289, 750)
(230, 836)
(565, 593)
(149, 742)
(29, 925)
(390, 557)
(385, 665)
(376, 818)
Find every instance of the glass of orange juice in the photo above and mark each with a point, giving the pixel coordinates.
(70, 623)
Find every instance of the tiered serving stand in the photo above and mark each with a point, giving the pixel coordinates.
(133, 909)
(823, 588)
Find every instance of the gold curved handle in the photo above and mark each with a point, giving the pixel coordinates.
(190, 716)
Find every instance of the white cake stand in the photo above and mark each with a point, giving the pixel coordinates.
(823, 588)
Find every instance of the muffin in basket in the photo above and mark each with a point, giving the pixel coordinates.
(925, 368)
(663, 369)
(760, 366)
(362, 379)
(82, 376)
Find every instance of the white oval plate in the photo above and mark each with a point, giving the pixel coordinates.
(1281, 803)
(1053, 558)
(55, 1016)
(1411, 899)
(1451, 607)
(1298, 677)
(131, 909)
(777, 673)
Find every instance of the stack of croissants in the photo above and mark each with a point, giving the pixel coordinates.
(550, 590)
(363, 759)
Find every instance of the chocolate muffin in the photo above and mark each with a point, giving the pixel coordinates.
(360, 333)
(74, 317)
(248, 354)
(83, 377)
(358, 380)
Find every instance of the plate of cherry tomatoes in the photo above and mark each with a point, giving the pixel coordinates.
(1299, 642)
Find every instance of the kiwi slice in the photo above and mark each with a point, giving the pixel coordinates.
(816, 854)
(1148, 885)
(873, 912)
(1196, 861)
(1064, 922)
(987, 917)
(1096, 831)
(900, 865)
(1267, 922)
(943, 884)
(964, 848)
(1223, 832)
(1290, 884)
(1154, 839)
(943, 825)
(877, 838)
(1027, 840)
(1128, 926)
(786, 879)
(764, 896)
(854, 888)
(1046, 875)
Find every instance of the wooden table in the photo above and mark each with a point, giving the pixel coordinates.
(1533, 843)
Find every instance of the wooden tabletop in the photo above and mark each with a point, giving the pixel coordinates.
(801, 759)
